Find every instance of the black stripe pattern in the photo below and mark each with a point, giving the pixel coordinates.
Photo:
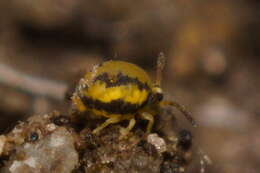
(114, 107)
(118, 106)
(120, 79)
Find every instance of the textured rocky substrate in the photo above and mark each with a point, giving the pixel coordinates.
(55, 143)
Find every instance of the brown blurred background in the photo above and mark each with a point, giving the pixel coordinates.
(213, 64)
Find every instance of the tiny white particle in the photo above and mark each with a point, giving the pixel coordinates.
(27, 145)
(17, 130)
(51, 127)
(157, 141)
(56, 141)
(14, 166)
(31, 162)
(45, 116)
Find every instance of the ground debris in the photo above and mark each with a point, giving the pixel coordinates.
(42, 144)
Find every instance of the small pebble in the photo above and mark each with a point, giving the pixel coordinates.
(157, 141)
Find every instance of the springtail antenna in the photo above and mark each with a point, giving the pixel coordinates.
(160, 67)
(182, 109)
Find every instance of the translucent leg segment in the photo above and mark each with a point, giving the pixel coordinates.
(149, 117)
(112, 120)
(124, 131)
